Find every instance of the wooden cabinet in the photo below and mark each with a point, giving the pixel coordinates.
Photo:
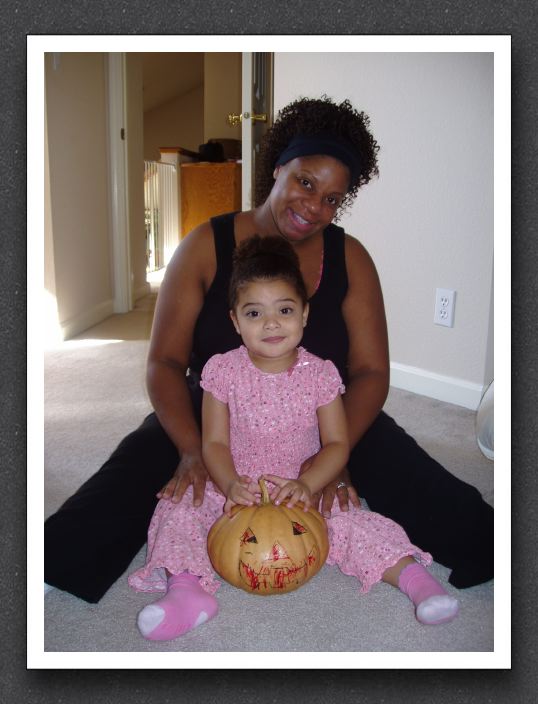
(208, 189)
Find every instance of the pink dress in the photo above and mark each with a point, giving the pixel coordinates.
(273, 429)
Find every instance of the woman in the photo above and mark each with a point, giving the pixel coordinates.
(313, 161)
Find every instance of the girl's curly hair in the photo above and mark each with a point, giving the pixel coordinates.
(266, 258)
(310, 116)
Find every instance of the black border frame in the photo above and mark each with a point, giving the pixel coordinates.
(517, 19)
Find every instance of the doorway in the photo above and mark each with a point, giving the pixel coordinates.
(186, 97)
(162, 117)
(188, 101)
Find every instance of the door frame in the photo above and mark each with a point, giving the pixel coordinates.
(248, 143)
(119, 182)
(246, 132)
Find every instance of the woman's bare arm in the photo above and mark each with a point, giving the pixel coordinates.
(368, 356)
(368, 362)
(180, 299)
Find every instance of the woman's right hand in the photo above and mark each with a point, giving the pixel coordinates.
(190, 470)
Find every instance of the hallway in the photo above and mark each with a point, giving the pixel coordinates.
(135, 325)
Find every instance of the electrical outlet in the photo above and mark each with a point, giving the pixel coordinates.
(445, 300)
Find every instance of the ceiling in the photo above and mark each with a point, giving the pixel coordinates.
(168, 75)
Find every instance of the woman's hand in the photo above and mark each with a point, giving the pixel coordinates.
(292, 489)
(241, 491)
(345, 494)
(190, 470)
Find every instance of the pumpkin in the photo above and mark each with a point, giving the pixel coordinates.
(267, 549)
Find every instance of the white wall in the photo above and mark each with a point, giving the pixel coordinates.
(78, 249)
(222, 94)
(135, 166)
(428, 220)
(79, 198)
(51, 327)
(176, 123)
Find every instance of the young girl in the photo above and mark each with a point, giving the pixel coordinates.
(272, 409)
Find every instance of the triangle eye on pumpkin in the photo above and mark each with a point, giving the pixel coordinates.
(298, 529)
(248, 537)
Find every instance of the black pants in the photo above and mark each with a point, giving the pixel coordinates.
(93, 537)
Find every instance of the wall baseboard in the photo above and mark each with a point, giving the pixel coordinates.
(95, 315)
(443, 388)
(86, 320)
(141, 291)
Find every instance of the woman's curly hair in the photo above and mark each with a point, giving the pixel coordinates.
(310, 116)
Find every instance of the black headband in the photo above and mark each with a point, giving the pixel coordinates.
(323, 143)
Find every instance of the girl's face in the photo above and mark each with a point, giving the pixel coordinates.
(270, 317)
(306, 195)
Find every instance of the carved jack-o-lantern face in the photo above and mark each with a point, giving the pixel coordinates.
(268, 549)
(265, 565)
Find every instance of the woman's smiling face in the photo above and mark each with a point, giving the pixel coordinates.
(270, 317)
(306, 195)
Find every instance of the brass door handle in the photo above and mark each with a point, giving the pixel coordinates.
(262, 117)
(234, 119)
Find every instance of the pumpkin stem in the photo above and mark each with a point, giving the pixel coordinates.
(265, 493)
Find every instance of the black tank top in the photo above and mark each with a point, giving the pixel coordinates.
(325, 334)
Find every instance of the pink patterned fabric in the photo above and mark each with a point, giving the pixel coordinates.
(273, 429)
(273, 421)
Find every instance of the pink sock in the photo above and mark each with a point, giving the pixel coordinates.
(185, 606)
(433, 604)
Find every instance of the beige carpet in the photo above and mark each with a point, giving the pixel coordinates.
(95, 394)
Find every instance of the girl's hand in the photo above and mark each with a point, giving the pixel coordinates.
(292, 489)
(243, 491)
(190, 470)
